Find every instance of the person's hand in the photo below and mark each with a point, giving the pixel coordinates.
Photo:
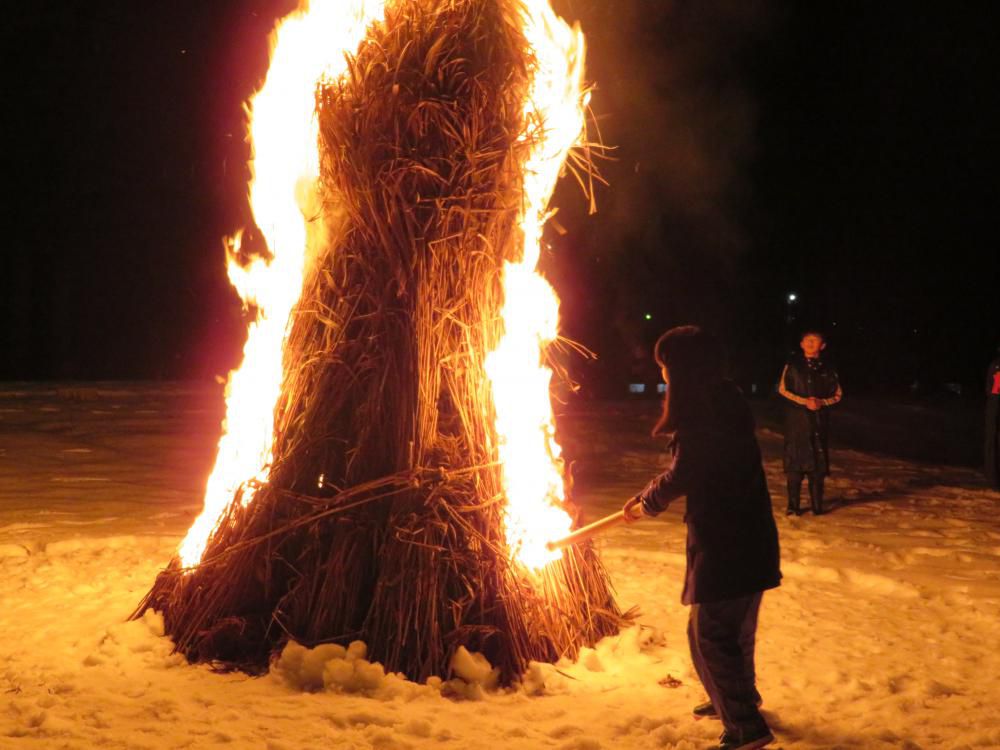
(812, 404)
(633, 510)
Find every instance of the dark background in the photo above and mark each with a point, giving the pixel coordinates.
(842, 152)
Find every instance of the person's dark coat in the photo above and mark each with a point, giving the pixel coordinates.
(732, 541)
(992, 431)
(807, 433)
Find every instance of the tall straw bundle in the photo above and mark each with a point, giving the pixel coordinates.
(382, 519)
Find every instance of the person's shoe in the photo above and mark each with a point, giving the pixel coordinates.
(746, 739)
(793, 512)
(707, 710)
(704, 711)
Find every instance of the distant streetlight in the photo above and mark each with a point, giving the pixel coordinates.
(647, 316)
(790, 299)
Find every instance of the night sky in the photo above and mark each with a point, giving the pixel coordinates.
(841, 152)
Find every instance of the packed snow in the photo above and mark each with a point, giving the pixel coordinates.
(884, 633)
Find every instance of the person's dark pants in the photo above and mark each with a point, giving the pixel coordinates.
(721, 636)
(795, 491)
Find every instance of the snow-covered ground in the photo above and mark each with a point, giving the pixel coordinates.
(885, 633)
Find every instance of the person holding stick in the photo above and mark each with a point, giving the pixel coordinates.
(810, 386)
(732, 541)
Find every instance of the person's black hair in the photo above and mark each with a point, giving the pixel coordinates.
(694, 363)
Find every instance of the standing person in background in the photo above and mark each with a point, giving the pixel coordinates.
(732, 541)
(992, 443)
(810, 387)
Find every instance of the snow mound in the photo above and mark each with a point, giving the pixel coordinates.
(334, 668)
(142, 639)
(613, 661)
(474, 669)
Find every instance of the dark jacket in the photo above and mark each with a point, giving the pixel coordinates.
(807, 433)
(992, 427)
(732, 542)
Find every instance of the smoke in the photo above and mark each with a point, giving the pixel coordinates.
(675, 99)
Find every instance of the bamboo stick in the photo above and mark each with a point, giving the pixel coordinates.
(588, 531)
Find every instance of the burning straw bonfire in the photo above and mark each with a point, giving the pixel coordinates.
(389, 471)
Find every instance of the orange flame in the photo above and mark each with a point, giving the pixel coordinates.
(308, 46)
(532, 465)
